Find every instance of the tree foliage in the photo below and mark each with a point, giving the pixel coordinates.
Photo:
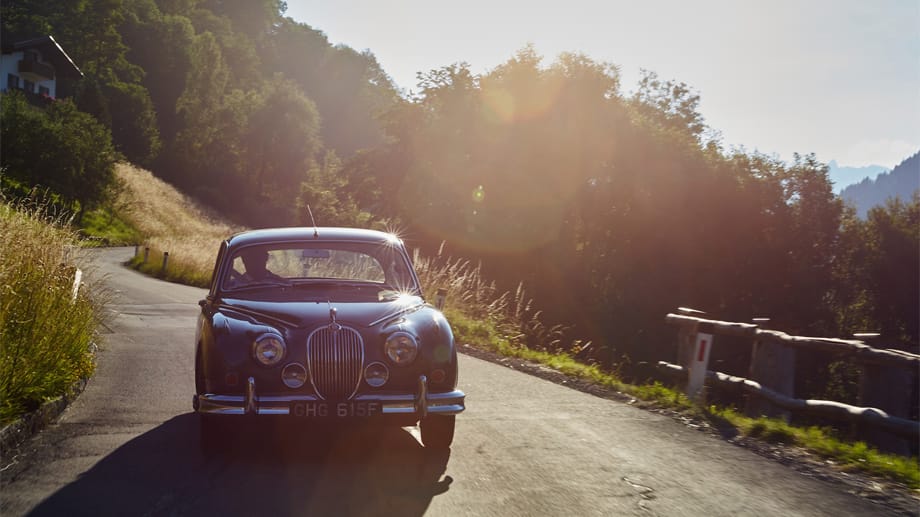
(60, 149)
(612, 207)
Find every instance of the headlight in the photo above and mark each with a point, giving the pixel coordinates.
(401, 348)
(269, 349)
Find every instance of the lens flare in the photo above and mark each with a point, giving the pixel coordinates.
(479, 194)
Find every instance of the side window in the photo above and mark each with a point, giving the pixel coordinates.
(12, 82)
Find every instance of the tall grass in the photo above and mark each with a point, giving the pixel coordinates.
(510, 314)
(171, 222)
(45, 334)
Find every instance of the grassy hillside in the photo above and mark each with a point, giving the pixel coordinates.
(169, 221)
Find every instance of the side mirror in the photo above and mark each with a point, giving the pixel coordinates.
(440, 298)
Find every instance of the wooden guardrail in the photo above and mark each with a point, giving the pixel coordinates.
(887, 377)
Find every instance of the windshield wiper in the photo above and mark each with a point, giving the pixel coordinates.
(263, 284)
(335, 284)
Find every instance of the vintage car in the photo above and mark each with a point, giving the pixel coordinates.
(323, 325)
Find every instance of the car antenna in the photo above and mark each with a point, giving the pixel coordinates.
(315, 230)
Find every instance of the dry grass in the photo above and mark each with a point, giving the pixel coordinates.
(45, 331)
(170, 221)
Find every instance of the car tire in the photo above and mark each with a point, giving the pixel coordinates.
(437, 431)
(211, 435)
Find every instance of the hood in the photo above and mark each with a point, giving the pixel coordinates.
(301, 314)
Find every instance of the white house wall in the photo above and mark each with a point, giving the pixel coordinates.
(9, 64)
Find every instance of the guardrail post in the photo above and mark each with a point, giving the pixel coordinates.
(77, 278)
(888, 388)
(165, 261)
(702, 349)
(773, 367)
(686, 337)
(440, 298)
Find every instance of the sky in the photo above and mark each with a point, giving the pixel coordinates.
(838, 78)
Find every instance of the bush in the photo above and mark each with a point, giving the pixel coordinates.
(61, 149)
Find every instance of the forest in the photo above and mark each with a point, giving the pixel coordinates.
(609, 204)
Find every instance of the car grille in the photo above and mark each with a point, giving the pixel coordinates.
(335, 358)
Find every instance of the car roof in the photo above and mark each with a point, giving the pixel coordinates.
(269, 235)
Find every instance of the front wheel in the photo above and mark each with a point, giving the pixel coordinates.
(211, 435)
(437, 431)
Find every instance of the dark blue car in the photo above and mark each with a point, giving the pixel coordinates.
(323, 324)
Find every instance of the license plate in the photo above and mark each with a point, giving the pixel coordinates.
(323, 409)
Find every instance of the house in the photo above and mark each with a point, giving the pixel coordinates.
(39, 67)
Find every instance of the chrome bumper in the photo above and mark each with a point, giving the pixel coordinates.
(421, 404)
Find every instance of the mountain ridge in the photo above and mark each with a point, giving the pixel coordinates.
(901, 182)
(844, 176)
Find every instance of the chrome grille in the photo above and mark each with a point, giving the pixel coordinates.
(335, 357)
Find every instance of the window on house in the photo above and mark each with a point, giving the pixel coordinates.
(28, 86)
(43, 90)
(12, 82)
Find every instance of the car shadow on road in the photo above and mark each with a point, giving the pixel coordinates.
(264, 470)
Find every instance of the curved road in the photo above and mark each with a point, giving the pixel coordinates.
(525, 446)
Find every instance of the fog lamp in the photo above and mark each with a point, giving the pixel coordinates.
(376, 374)
(294, 375)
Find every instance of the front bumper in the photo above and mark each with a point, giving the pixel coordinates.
(419, 404)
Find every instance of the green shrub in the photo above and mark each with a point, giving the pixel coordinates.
(61, 149)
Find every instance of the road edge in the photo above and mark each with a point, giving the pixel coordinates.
(888, 495)
(14, 434)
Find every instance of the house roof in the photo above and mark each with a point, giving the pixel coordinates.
(51, 52)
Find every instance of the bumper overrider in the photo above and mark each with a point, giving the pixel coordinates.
(419, 404)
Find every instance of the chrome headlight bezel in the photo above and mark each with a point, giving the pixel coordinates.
(269, 349)
(401, 348)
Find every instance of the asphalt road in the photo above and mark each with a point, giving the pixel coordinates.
(525, 446)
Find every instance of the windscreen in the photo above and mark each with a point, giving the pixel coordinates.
(290, 263)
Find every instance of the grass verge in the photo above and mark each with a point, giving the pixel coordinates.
(105, 227)
(178, 271)
(45, 332)
(824, 442)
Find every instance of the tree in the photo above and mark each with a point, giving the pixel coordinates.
(62, 149)
(668, 106)
(349, 88)
(324, 192)
(878, 273)
(280, 140)
(160, 44)
(111, 89)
